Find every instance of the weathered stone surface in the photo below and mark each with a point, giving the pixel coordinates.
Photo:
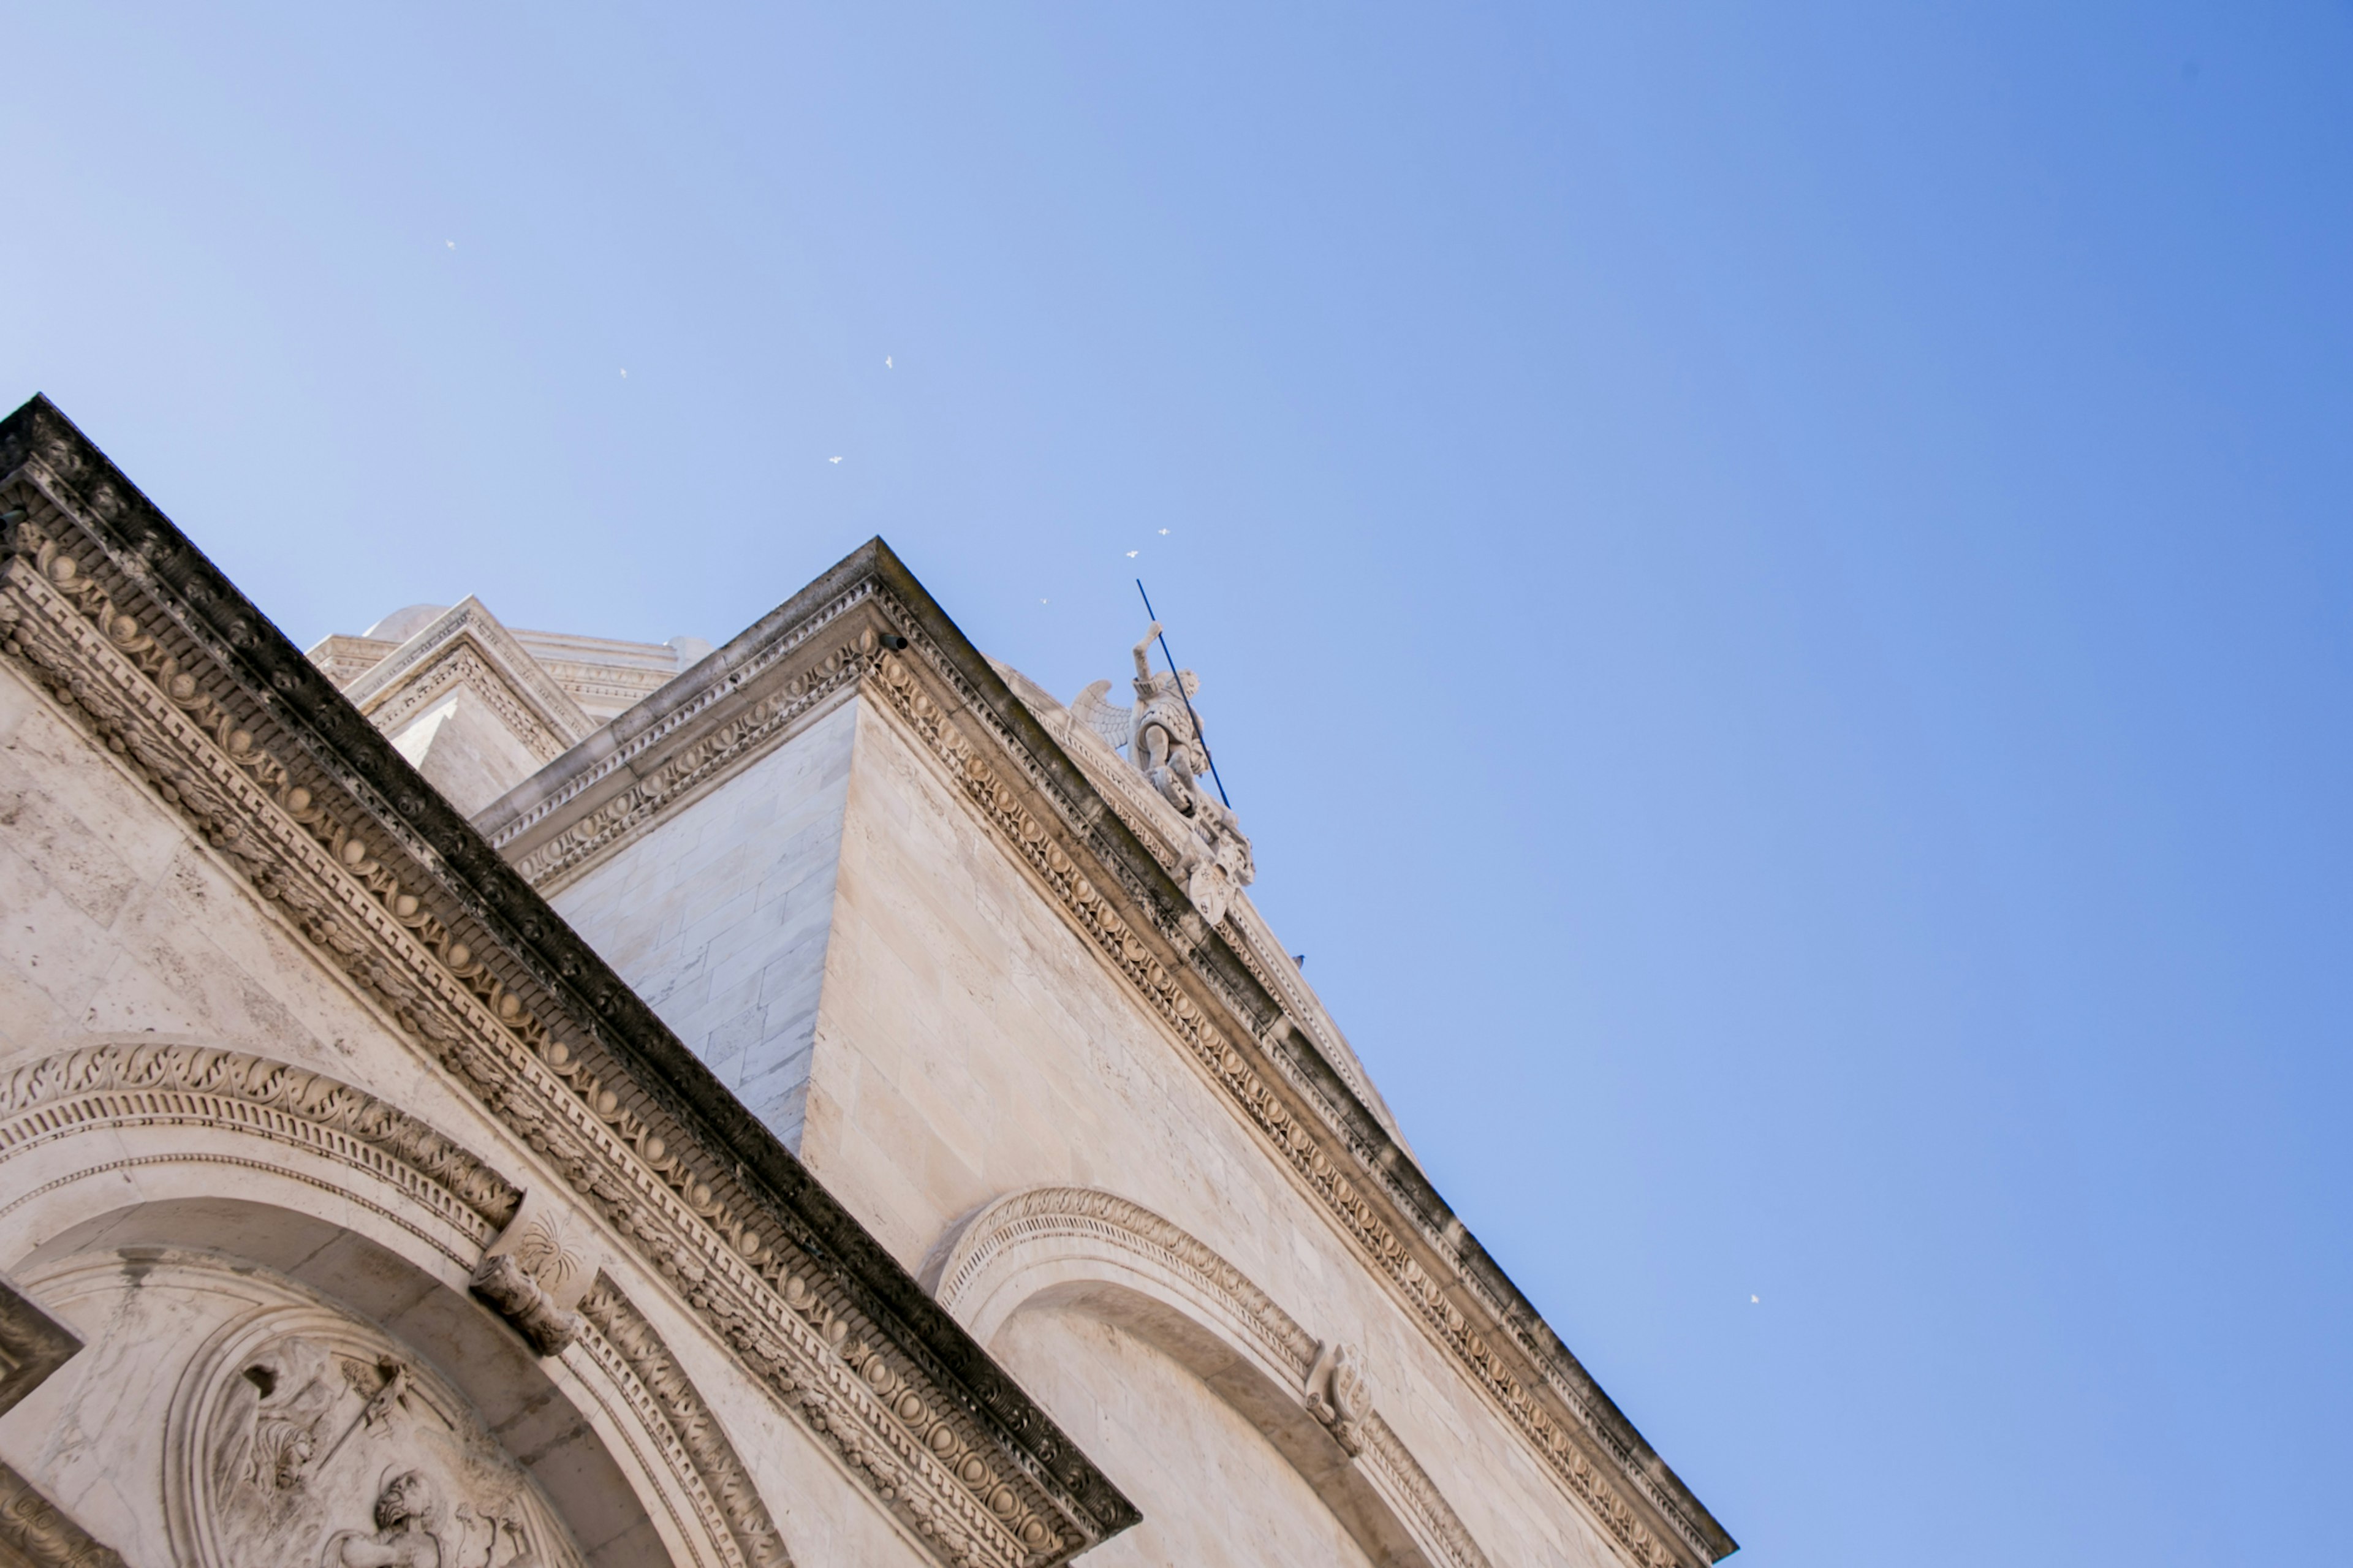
(901, 1143)
(1019, 990)
(279, 1034)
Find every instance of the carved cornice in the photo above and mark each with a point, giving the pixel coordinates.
(39, 1532)
(1163, 831)
(463, 665)
(1020, 1221)
(1331, 1142)
(466, 645)
(204, 702)
(867, 628)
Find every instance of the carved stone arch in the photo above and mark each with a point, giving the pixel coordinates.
(1084, 1248)
(132, 1153)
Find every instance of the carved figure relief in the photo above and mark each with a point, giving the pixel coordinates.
(305, 1438)
(1162, 741)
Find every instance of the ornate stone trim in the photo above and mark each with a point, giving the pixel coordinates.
(1215, 989)
(1036, 1213)
(462, 666)
(110, 1086)
(1298, 1144)
(468, 645)
(1322, 1376)
(37, 1530)
(621, 1340)
(785, 1278)
(551, 865)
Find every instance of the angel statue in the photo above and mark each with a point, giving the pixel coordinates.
(1164, 743)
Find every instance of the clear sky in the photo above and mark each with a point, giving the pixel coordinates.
(1771, 583)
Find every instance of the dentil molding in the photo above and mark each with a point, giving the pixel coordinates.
(207, 706)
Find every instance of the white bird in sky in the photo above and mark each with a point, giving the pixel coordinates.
(1164, 533)
(886, 361)
(1131, 555)
(625, 376)
(833, 459)
(452, 244)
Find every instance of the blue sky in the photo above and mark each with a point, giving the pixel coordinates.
(1771, 583)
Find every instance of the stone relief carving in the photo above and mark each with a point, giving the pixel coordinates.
(100, 1088)
(1335, 1394)
(301, 1435)
(929, 1458)
(32, 1345)
(538, 1270)
(1162, 741)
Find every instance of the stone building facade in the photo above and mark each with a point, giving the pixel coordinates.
(472, 1098)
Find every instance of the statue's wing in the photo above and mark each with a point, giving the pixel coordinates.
(1107, 719)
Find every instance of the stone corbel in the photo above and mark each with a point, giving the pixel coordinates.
(1336, 1394)
(538, 1270)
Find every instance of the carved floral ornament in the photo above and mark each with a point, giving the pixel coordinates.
(38, 1533)
(773, 1292)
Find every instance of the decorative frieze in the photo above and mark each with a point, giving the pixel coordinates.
(620, 1338)
(1309, 1150)
(974, 1469)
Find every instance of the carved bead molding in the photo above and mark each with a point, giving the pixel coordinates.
(1324, 1378)
(178, 1085)
(32, 1527)
(634, 1355)
(115, 1085)
(156, 656)
(1214, 989)
(614, 818)
(1340, 1164)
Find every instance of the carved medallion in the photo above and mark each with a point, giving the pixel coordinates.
(304, 1437)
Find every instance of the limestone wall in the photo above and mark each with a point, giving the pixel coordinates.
(963, 1017)
(718, 916)
(180, 1182)
(965, 1045)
